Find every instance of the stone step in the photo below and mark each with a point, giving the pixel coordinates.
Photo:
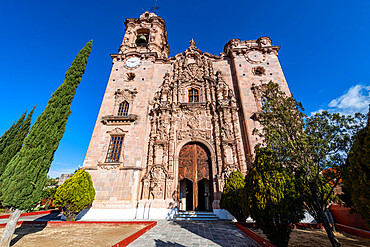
(195, 218)
(191, 215)
(194, 213)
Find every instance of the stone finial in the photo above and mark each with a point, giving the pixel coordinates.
(264, 41)
(192, 43)
(147, 15)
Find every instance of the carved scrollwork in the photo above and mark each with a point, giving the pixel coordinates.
(259, 71)
(186, 134)
(157, 178)
(116, 131)
(157, 173)
(130, 76)
(126, 94)
(107, 166)
(257, 92)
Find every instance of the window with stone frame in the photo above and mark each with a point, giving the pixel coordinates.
(123, 109)
(114, 149)
(193, 95)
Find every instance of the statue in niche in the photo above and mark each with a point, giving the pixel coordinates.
(157, 177)
(156, 190)
(226, 129)
(163, 130)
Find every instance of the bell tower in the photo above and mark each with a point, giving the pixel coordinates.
(146, 35)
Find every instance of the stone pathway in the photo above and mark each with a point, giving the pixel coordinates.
(194, 233)
(38, 217)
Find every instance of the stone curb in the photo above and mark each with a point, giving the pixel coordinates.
(32, 213)
(124, 242)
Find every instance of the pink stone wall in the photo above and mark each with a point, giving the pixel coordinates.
(120, 184)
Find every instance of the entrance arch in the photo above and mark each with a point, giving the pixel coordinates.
(195, 170)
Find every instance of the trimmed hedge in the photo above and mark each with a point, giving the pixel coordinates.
(75, 194)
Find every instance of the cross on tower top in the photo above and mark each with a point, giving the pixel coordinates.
(155, 7)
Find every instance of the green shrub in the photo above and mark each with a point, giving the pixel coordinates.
(272, 198)
(232, 194)
(75, 194)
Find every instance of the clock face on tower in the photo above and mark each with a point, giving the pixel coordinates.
(132, 62)
(255, 57)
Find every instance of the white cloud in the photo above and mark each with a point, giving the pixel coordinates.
(356, 99)
(318, 111)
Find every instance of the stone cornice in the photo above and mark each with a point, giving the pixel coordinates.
(118, 120)
(263, 44)
(122, 57)
(131, 168)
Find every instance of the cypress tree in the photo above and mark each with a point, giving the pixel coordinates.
(232, 195)
(356, 182)
(272, 197)
(16, 143)
(9, 135)
(26, 174)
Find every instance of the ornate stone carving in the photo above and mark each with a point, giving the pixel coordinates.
(259, 70)
(130, 76)
(174, 120)
(228, 169)
(125, 94)
(257, 92)
(116, 131)
(186, 134)
(227, 132)
(107, 166)
(157, 173)
(157, 178)
(263, 45)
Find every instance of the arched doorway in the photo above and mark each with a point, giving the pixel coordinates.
(195, 177)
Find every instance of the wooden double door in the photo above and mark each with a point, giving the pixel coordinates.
(195, 178)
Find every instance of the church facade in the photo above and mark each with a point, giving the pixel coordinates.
(170, 130)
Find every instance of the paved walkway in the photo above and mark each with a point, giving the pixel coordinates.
(194, 233)
(38, 217)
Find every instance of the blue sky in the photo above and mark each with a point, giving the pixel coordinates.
(324, 52)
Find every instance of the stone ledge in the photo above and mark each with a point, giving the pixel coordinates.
(118, 120)
(109, 166)
(90, 168)
(131, 168)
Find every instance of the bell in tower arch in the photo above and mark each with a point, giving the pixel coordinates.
(142, 39)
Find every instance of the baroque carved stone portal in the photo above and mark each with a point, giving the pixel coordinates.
(174, 120)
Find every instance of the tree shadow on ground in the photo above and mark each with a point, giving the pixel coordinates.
(223, 233)
(159, 242)
(50, 217)
(25, 229)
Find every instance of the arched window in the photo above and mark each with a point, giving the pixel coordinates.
(193, 95)
(123, 109)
